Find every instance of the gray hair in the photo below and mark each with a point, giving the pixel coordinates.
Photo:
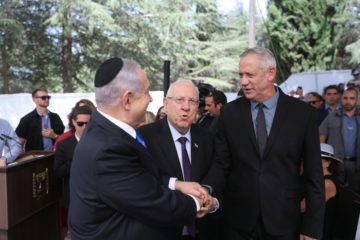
(171, 88)
(266, 56)
(127, 79)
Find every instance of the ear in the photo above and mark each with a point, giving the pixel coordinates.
(272, 73)
(73, 122)
(126, 99)
(219, 105)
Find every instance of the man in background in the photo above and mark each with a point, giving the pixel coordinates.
(39, 128)
(341, 129)
(332, 97)
(213, 104)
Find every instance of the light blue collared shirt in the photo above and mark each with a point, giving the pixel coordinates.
(349, 132)
(329, 110)
(269, 111)
(13, 144)
(45, 123)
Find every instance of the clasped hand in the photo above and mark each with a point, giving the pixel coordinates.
(207, 202)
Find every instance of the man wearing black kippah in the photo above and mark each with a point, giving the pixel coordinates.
(116, 192)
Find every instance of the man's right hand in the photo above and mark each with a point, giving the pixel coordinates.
(2, 162)
(194, 189)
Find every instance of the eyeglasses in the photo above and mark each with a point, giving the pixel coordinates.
(80, 124)
(180, 100)
(44, 97)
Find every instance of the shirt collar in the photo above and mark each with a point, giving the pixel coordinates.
(270, 103)
(175, 133)
(39, 113)
(124, 126)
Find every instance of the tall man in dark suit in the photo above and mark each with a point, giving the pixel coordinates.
(163, 139)
(116, 192)
(262, 141)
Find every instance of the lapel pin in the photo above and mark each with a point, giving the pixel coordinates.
(195, 145)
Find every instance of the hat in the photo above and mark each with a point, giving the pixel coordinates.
(355, 71)
(327, 151)
(108, 71)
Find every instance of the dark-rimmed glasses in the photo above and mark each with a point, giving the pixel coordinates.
(80, 124)
(44, 97)
(181, 100)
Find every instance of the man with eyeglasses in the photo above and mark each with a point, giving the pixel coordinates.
(79, 118)
(39, 128)
(175, 136)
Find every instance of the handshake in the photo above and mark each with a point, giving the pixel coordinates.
(202, 195)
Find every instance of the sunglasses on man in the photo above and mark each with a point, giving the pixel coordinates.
(44, 97)
(80, 124)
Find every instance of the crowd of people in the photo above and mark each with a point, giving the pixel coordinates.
(264, 166)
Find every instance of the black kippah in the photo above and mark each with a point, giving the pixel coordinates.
(108, 71)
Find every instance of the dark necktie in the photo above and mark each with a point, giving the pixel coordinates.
(140, 139)
(185, 159)
(187, 176)
(261, 129)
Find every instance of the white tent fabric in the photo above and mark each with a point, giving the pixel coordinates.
(315, 81)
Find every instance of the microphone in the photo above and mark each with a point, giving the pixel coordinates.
(10, 138)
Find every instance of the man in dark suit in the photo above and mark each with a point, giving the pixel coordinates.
(116, 192)
(261, 143)
(162, 139)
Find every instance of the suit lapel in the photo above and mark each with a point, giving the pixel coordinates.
(279, 119)
(245, 112)
(196, 154)
(168, 148)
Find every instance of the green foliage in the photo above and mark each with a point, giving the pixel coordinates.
(201, 44)
(305, 34)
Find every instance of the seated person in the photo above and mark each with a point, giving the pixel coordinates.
(9, 138)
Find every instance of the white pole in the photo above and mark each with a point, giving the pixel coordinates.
(252, 24)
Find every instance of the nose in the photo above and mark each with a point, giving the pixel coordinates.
(150, 98)
(185, 105)
(244, 80)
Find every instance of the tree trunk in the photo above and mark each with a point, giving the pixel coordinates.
(66, 56)
(5, 70)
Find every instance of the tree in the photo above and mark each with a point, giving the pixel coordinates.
(353, 34)
(305, 34)
(11, 35)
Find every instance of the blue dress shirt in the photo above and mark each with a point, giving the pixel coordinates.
(269, 111)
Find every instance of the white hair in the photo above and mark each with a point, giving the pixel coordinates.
(170, 92)
(266, 56)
